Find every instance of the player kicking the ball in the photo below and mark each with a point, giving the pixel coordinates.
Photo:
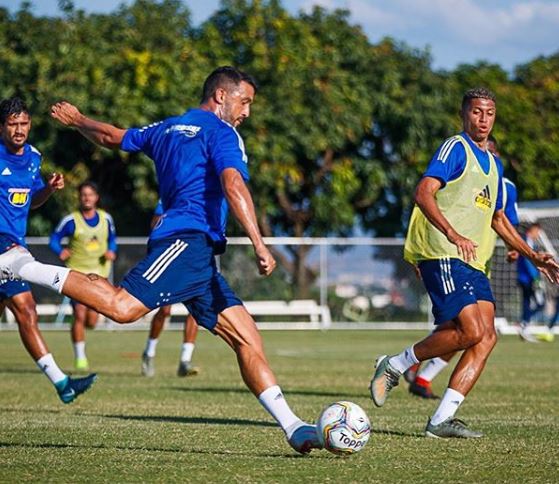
(459, 201)
(202, 171)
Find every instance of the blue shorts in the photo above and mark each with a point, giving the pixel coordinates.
(452, 285)
(9, 289)
(182, 269)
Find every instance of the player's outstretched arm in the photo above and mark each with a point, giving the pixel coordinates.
(543, 261)
(54, 182)
(100, 133)
(426, 201)
(242, 206)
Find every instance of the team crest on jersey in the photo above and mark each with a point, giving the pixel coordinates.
(188, 130)
(482, 199)
(18, 197)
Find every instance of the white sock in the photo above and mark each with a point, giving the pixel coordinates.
(432, 368)
(404, 360)
(449, 405)
(49, 367)
(150, 347)
(273, 401)
(79, 349)
(46, 275)
(186, 352)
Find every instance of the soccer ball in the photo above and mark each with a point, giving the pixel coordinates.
(343, 428)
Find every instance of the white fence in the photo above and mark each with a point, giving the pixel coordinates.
(319, 283)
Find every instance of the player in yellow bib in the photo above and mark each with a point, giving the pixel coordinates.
(459, 202)
(91, 249)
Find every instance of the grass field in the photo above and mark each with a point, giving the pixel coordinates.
(209, 428)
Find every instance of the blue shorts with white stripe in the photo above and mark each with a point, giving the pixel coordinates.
(182, 269)
(452, 285)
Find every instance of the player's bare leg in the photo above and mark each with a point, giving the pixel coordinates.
(99, 294)
(464, 377)
(78, 336)
(190, 333)
(24, 309)
(237, 328)
(473, 360)
(91, 319)
(156, 326)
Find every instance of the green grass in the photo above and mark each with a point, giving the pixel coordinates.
(209, 428)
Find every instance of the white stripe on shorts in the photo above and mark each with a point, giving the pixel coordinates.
(164, 260)
(178, 252)
(450, 279)
(446, 287)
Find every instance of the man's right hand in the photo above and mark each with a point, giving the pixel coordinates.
(65, 254)
(466, 247)
(264, 260)
(65, 113)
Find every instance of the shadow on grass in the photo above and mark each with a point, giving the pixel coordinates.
(397, 433)
(18, 371)
(30, 445)
(192, 420)
(307, 393)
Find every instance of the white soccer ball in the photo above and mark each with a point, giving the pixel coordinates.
(344, 428)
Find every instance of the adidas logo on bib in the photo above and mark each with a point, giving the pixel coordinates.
(6, 171)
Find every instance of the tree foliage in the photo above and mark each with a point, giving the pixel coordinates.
(341, 130)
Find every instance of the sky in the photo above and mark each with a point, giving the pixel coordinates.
(504, 32)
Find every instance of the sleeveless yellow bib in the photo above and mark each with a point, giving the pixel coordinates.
(468, 203)
(88, 246)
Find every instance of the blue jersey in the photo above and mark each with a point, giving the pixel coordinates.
(158, 209)
(449, 162)
(511, 199)
(190, 153)
(20, 180)
(67, 227)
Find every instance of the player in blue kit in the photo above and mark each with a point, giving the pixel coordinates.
(22, 188)
(202, 171)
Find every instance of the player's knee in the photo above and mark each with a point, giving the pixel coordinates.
(124, 313)
(27, 316)
(473, 335)
(165, 311)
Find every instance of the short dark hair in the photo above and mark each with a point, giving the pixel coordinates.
(12, 107)
(477, 93)
(222, 77)
(493, 140)
(89, 184)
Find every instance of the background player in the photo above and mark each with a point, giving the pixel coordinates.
(458, 202)
(21, 188)
(92, 249)
(202, 172)
(528, 276)
(158, 321)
